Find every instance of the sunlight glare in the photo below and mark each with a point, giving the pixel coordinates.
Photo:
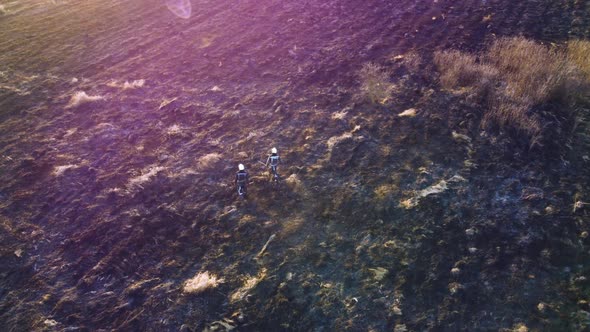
(180, 8)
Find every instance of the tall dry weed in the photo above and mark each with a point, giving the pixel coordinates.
(375, 84)
(505, 113)
(412, 61)
(533, 73)
(460, 69)
(515, 78)
(463, 71)
(578, 53)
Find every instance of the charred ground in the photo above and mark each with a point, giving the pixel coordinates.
(107, 207)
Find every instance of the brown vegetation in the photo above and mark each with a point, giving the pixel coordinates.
(461, 70)
(375, 85)
(200, 282)
(515, 78)
(578, 52)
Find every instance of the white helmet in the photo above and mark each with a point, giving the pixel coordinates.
(273, 150)
(241, 167)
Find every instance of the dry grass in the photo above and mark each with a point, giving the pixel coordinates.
(174, 130)
(533, 73)
(515, 78)
(375, 85)
(506, 112)
(458, 69)
(59, 170)
(81, 97)
(133, 84)
(209, 161)
(127, 85)
(384, 192)
(409, 113)
(249, 283)
(412, 61)
(463, 72)
(578, 53)
(339, 115)
(332, 141)
(200, 282)
(295, 183)
(138, 181)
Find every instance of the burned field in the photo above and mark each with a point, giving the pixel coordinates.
(122, 126)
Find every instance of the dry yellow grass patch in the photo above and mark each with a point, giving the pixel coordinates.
(295, 183)
(409, 113)
(292, 226)
(249, 283)
(127, 85)
(59, 170)
(208, 161)
(385, 150)
(375, 84)
(138, 181)
(514, 77)
(80, 98)
(332, 141)
(174, 130)
(133, 84)
(200, 282)
(384, 191)
(578, 52)
(339, 115)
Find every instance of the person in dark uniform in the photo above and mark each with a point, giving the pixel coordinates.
(273, 162)
(241, 180)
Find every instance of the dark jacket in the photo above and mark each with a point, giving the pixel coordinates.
(241, 177)
(273, 159)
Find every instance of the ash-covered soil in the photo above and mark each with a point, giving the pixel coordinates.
(109, 204)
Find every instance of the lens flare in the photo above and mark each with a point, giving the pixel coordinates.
(180, 8)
